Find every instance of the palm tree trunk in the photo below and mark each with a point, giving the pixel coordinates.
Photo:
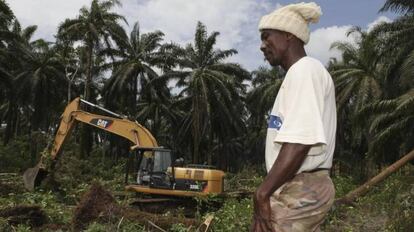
(210, 146)
(86, 140)
(195, 150)
(134, 96)
(196, 131)
(363, 189)
(69, 89)
(16, 124)
(9, 128)
(10, 121)
(88, 79)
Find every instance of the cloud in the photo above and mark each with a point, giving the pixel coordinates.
(236, 20)
(178, 19)
(46, 14)
(321, 40)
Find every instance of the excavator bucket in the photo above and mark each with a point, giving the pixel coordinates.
(32, 177)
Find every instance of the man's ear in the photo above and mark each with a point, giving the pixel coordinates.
(289, 36)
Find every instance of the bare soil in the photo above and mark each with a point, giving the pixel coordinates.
(24, 214)
(96, 204)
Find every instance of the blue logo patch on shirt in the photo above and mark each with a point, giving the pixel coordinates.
(275, 122)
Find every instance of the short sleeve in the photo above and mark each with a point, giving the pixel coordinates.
(302, 109)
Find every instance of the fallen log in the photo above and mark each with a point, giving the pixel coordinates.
(363, 189)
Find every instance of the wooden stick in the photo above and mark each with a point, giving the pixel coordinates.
(153, 224)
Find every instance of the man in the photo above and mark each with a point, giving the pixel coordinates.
(297, 192)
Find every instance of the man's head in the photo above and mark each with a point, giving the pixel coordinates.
(275, 45)
(286, 27)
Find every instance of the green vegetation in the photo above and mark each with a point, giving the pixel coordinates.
(388, 207)
(216, 114)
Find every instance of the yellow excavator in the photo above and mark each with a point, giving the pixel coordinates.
(154, 167)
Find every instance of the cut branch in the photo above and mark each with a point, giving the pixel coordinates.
(363, 189)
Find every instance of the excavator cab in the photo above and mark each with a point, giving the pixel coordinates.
(155, 168)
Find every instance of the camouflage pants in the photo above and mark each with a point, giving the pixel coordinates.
(302, 203)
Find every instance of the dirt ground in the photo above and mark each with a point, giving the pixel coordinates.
(97, 204)
(358, 218)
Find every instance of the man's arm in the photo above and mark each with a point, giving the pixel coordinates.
(288, 162)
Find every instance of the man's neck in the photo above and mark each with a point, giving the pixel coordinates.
(294, 54)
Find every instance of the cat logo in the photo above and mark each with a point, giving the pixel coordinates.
(100, 122)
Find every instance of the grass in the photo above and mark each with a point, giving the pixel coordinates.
(388, 207)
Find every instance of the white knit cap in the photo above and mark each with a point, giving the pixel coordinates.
(293, 18)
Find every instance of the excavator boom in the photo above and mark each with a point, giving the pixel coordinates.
(132, 131)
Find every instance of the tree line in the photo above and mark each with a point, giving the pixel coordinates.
(191, 98)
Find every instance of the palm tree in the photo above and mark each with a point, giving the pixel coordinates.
(393, 126)
(399, 6)
(135, 87)
(44, 77)
(391, 119)
(7, 103)
(265, 86)
(396, 39)
(16, 47)
(134, 69)
(155, 110)
(70, 58)
(210, 94)
(359, 77)
(33, 76)
(95, 27)
(7, 92)
(6, 15)
(359, 81)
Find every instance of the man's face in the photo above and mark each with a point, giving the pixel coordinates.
(274, 45)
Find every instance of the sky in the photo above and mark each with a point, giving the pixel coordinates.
(235, 20)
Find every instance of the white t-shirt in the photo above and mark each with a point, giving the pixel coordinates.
(304, 112)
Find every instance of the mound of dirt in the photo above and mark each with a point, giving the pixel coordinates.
(96, 204)
(24, 214)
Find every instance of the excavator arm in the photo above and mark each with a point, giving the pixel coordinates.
(132, 131)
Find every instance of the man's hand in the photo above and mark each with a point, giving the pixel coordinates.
(262, 213)
(289, 160)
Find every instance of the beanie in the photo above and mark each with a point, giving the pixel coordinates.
(293, 18)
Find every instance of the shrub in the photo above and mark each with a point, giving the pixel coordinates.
(248, 179)
(343, 185)
(21, 152)
(234, 216)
